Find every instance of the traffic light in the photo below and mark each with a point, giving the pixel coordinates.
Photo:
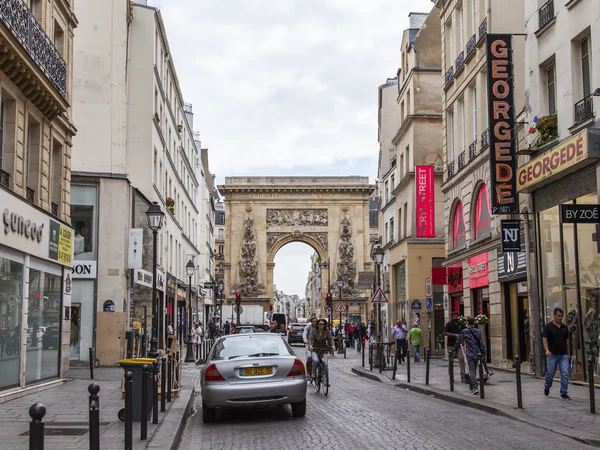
(329, 299)
(238, 298)
(347, 306)
(270, 306)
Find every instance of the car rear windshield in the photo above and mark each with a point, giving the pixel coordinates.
(239, 347)
(297, 327)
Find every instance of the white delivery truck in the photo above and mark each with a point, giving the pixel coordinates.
(252, 315)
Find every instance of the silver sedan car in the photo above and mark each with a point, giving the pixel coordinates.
(252, 369)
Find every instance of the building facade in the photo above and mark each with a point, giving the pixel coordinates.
(562, 76)
(410, 173)
(474, 279)
(36, 241)
(125, 82)
(219, 251)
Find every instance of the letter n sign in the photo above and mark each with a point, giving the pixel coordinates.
(511, 236)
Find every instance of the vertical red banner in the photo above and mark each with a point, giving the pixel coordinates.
(425, 207)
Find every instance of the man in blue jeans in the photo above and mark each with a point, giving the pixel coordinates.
(556, 340)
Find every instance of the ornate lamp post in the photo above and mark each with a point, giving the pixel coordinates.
(155, 217)
(378, 254)
(189, 356)
(221, 289)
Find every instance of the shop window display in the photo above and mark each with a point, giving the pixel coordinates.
(84, 212)
(11, 293)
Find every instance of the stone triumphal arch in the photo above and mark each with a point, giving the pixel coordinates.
(331, 214)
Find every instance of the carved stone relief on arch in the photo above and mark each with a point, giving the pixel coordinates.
(296, 217)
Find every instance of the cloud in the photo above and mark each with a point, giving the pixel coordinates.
(286, 86)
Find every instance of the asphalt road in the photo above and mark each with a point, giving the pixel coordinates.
(362, 414)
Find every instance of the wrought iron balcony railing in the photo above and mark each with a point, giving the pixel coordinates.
(483, 28)
(30, 195)
(451, 169)
(460, 61)
(546, 13)
(449, 75)
(18, 18)
(584, 109)
(473, 150)
(485, 139)
(4, 178)
(471, 45)
(461, 161)
(54, 208)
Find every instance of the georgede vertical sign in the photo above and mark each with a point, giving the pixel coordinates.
(501, 120)
(425, 201)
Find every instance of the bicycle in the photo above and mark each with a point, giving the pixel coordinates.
(322, 373)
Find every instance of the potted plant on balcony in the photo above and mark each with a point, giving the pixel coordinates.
(547, 129)
(171, 205)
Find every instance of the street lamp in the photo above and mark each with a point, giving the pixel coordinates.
(189, 268)
(221, 288)
(378, 254)
(155, 217)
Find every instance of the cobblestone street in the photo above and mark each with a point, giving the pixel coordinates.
(359, 414)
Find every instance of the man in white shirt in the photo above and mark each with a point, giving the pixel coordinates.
(400, 332)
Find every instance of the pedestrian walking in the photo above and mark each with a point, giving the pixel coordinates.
(556, 345)
(351, 333)
(400, 333)
(452, 330)
(475, 350)
(414, 337)
(227, 327)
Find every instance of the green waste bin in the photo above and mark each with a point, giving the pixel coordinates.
(135, 366)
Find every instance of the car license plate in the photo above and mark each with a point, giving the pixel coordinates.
(254, 371)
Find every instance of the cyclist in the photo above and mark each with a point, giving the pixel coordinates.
(319, 342)
(312, 325)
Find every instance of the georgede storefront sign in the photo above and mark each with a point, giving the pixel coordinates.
(567, 157)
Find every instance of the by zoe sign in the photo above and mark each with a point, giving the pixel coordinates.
(580, 213)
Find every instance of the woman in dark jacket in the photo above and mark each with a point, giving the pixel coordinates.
(319, 342)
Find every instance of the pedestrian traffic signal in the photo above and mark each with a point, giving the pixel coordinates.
(347, 306)
(238, 298)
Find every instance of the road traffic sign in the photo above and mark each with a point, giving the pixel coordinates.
(209, 285)
(340, 307)
(238, 309)
(428, 288)
(328, 311)
(379, 296)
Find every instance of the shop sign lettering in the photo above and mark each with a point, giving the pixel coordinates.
(556, 160)
(22, 226)
(501, 113)
(580, 213)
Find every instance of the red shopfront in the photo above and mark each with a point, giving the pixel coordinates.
(480, 291)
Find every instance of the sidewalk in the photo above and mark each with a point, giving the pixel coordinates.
(67, 413)
(568, 417)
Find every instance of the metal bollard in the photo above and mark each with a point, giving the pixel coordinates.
(91, 363)
(363, 353)
(36, 426)
(128, 411)
(94, 419)
(408, 366)
(155, 393)
(163, 383)
(395, 369)
(591, 384)
(144, 424)
(371, 356)
(519, 390)
(451, 369)
(143, 346)
(380, 351)
(427, 361)
(176, 369)
(481, 380)
(169, 377)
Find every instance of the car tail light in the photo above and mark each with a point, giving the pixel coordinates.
(212, 374)
(291, 331)
(297, 369)
(45, 334)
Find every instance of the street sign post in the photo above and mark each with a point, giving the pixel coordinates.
(209, 285)
(238, 309)
(340, 308)
(328, 311)
(428, 288)
(379, 297)
(429, 303)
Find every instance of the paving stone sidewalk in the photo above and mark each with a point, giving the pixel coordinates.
(568, 417)
(67, 413)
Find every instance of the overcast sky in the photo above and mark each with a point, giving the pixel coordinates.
(287, 87)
